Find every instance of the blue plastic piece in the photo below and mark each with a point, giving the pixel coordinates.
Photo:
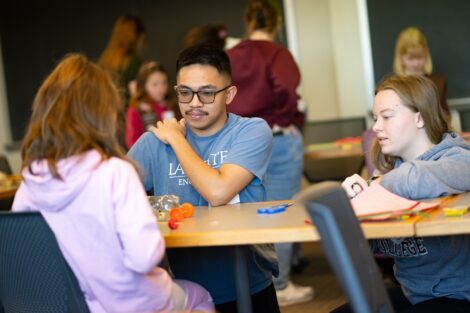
(274, 209)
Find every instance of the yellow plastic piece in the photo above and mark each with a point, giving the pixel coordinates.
(456, 211)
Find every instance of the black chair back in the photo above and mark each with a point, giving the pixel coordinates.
(345, 247)
(34, 276)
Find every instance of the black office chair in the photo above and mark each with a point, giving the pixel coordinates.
(345, 247)
(34, 276)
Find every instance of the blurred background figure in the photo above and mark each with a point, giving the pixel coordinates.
(122, 59)
(153, 101)
(122, 54)
(412, 57)
(267, 78)
(212, 34)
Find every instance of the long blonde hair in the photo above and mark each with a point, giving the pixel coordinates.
(408, 39)
(75, 110)
(419, 94)
(123, 43)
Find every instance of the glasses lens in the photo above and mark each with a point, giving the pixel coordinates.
(184, 95)
(206, 96)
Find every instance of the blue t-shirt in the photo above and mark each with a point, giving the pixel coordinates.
(242, 141)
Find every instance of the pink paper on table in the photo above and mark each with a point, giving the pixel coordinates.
(376, 200)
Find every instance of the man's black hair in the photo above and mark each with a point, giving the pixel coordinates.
(204, 55)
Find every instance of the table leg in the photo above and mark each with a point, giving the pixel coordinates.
(242, 283)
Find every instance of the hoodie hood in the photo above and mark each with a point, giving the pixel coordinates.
(48, 193)
(449, 140)
(451, 143)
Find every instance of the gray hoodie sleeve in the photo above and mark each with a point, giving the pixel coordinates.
(420, 179)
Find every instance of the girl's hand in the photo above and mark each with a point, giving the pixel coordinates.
(167, 130)
(353, 185)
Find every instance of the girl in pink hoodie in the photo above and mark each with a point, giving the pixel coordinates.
(75, 174)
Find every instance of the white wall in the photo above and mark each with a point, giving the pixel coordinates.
(316, 58)
(335, 74)
(331, 43)
(349, 68)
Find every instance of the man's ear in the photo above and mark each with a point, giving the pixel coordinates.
(231, 92)
(419, 120)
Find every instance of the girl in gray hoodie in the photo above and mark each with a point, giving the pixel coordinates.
(419, 157)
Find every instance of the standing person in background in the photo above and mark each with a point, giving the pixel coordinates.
(209, 34)
(121, 55)
(152, 102)
(267, 78)
(121, 58)
(412, 57)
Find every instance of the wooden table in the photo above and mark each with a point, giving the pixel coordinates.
(332, 161)
(238, 225)
(437, 224)
(343, 149)
(331, 150)
(8, 190)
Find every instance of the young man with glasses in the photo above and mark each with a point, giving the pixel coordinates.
(210, 157)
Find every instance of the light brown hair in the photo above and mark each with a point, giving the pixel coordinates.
(123, 43)
(261, 15)
(419, 94)
(208, 34)
(75, 110)
(411, 38)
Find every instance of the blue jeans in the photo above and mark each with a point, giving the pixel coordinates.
(283, 179)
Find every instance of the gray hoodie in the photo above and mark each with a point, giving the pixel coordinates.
(431, 267)
(442, 170)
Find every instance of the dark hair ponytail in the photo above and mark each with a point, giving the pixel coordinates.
(260, 19)
(261, 14)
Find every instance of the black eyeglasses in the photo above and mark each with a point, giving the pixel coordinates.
(186, 95)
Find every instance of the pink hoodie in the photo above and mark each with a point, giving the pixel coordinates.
(105, 228)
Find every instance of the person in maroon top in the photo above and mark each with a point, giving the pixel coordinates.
(267, 78)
